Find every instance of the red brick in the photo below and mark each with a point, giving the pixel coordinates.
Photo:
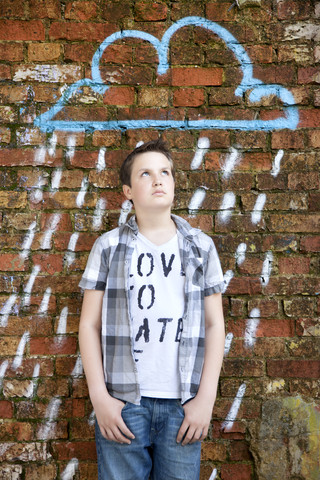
(150, 11)
(81, 11)
(286, 139)
(294, 266)
(310, 244)
(237, 471)
(72, 31)
(53, 346)
(220, 12)
(303, 181)
(107, 138)
(17, 157)
(10, 262)
(44, 52)
(64, 224)
(45, 9)
(82, 52)
(244, 368)
(309, 118)
(12, 52)
(115, 10)
(308, 75)
(188, 76)
(294, 223)
(260, 53)
(80, 450)
(293, 368)
(6, 409)
(284, 74)
(266, 328)
(119, 96)
(84, 159)
(19, 30)
(49, 263)
(292, 10)
(314, 138)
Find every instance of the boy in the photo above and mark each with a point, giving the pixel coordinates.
(151, 331)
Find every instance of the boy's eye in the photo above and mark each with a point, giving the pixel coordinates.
(145, 174)
(165, 172)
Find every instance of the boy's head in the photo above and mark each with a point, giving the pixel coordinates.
(153, 146)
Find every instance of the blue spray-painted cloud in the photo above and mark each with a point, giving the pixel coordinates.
(257, 89)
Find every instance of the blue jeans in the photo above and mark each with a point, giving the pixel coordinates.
(154, 453)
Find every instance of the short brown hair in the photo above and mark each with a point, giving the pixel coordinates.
(153, 146)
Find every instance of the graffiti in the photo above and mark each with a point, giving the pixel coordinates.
(256, 88)
(233, 412)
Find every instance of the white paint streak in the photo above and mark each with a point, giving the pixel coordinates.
(251, 328)
(46, 430)
(139, 144)
(52, 145)
(62, 325)
(227, 343)
(92, 418)
(258, 208)
(3, 369)
(71, 144)
(78, 368)
(28, 288)
(56, 179)
(7, 309)
(33, 385)
(40, 155)
(232, 159)
(28, 239)
(98, 214)
(126, 208)
(197, 200)
(276, 163)
(227, 204)
(70, 470)
(213, 474)
(45, 302)
(70, 255)
(233, 412)
(240, 254)
(101, 164)
(20, 351)
(46, 240)
(82, 192)
(227, 279)
(266, 268)
(202, 147)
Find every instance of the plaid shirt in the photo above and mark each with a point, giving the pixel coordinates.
(108, 270)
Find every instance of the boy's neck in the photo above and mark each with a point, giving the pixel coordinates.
(159, 228)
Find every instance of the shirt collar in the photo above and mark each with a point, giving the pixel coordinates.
(182, 226)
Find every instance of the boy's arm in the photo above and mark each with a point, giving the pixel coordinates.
(198, 411)
(107, 408)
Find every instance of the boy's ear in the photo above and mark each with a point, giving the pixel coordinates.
(127, 191)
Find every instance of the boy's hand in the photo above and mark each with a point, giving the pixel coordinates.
(108, 413)
(196, 421)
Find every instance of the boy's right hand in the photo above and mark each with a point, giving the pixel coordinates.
(108, 414)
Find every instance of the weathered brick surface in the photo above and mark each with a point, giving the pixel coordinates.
(60, 190)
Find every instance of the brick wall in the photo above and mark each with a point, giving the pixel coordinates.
(248, 175)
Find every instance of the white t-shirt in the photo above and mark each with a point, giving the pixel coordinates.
(157, 307)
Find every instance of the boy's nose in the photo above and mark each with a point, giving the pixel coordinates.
(157, 181)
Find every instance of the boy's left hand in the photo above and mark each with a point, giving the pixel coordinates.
(196, 421)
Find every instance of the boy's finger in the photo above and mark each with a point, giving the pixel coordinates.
(182, 431)
(125, 430)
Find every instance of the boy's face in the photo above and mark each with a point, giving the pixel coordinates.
(152, 183)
